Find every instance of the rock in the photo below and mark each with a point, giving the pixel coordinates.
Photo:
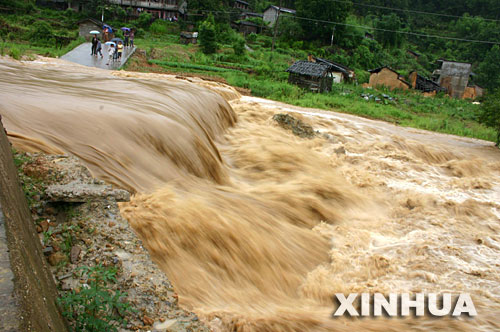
(163, 326)
(47, 251)
(57, 258)
(147, 320)
(340, 150)
(50, 210)
(44, 224)
(82, 193)
(75, 254)
(297, 126)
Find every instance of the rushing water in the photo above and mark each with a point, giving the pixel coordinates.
(257, 228)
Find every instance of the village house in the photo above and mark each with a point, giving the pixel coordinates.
(340, 73)
(424, 84)
(246, 27)
(271, 13)
(473, 92)
(89, 24)
(454, 76)
(187, 37)
(246, 15)
(243, 5)
(388, 77)
(313, 76)
(163, 9)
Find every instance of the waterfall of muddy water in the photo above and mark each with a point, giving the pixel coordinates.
(257, 228)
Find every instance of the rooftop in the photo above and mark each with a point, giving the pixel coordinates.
(303, 67)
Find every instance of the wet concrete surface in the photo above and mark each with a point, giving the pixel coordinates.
(81, 55)
(8, 307)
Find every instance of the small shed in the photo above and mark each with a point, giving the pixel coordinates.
(313, 76)
(340, 73)
(271, 13)
(454, 76)
(388, 77)
(424, 84)
(87, 25)
(189, 37)
(247, 27)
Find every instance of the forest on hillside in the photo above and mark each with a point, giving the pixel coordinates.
(458, 30)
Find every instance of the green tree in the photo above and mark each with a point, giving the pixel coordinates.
(323, 10)
(207, 36)
(490, 112)
(489, 69)
(388, 38)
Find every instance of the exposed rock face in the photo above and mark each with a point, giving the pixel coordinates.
(83, 192)
(297, 126)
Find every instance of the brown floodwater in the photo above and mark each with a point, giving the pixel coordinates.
(257, 228)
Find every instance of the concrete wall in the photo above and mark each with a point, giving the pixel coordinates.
(29, 304)
(86, 27)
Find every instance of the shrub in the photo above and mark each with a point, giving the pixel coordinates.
(239, 45)
(15, 53)
(158, 27)
(207, 36)
(95, 308)
(40, 33)
(144, 20)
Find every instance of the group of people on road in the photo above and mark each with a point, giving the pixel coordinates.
(115, 50)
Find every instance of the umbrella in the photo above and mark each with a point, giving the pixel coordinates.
(110, 30)
(110, 43)
(125, 29)
(94, 32)
(116, 40)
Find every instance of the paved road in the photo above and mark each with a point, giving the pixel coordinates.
(81, 55)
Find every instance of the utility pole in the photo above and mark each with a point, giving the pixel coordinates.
(276, 26)
(333, 35)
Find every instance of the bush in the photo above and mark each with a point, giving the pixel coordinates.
(239, 45)
(158, 27)
(40, 33)
(144, 20)
(207, 36)
(490, 113)
(95, 308)
(15, 53)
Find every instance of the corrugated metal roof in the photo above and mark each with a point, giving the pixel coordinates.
(308, 68)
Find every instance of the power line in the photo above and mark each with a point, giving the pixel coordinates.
(396, 31)
(412, 11)
(418, 34)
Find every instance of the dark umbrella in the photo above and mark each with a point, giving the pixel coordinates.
(109, 28)
(116, 40)
(125, 29)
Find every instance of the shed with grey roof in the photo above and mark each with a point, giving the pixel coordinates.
(313, 76)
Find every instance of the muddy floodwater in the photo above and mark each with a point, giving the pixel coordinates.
(258, 228)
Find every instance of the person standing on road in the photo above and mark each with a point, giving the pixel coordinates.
(98, 48)
(120, 50)
(126, 34)
(132, 35)
(94, 46)
(111, 53)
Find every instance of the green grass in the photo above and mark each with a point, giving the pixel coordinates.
(264, 74)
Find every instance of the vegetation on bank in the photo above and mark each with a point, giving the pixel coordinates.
(95, 306)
